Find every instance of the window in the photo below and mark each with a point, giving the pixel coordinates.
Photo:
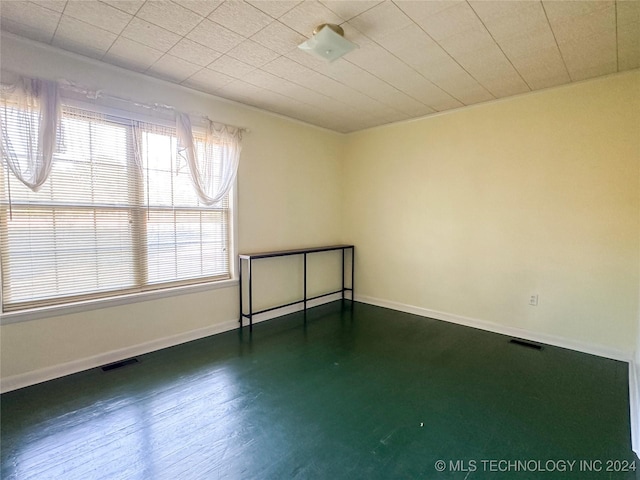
(117, 215)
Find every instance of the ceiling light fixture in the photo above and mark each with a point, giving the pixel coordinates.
(328, 42)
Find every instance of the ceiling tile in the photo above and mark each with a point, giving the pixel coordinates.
(407, 105)
(208, 80)
(314, 116)
(57, 5)
(429, 94)
(347, 9)
(491, 69)
(283, 87)
(98, 14)
(29, 19)
(378, 61)
(286, 106)
(269, 82)
(132, 55)
(336, 120)
(240, 17)
(491, 10)
(599, 22)
(420, 10)
(371, 107)
(591, 70)
(384, 65)
(381, 20)
(594, 70)
(529, 44)
(385, 114)
(239, 90)
(560, 10)
(215, 36)
(150, 35)
(306, 16)
(476, 38)
(82, 38)
(355, 77)
(194, 52)
(252, 53)
(506, 86)
(173, 68)
(354, 35)
(231, 67)
(470, 94)
(264, 79)
(628, 46)
(488, 62)
(543, 70)
(278, 37)
(537, 80)
(414, 47)
(388, 95)
(593, 47)
(128, 6)
(628, 11)
(300, 111)
(274, 8)
(454, 80)
(444, 102)
(526, 17)
(170, 16)
(286, 68)
(455, 19)
(201, 7)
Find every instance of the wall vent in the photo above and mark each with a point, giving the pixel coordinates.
(524, 343)
(120, 364)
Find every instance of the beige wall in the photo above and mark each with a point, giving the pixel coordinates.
(289, 195)
(469, 213)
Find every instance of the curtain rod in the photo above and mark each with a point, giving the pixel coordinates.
(95, 94)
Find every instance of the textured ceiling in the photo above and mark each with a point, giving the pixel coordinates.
(415, 57)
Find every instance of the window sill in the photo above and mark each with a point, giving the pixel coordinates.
(58, 310)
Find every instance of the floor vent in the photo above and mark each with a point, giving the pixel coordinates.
(524, 343)
(123, 363)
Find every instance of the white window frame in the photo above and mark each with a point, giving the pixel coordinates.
(130, 298)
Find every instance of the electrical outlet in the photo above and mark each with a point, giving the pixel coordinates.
(533, 300)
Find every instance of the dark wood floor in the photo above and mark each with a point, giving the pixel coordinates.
(360, 392)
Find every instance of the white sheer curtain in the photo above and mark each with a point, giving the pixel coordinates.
(31, 107)
(211, 179)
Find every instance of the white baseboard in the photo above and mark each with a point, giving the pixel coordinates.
(634, 406)
(49, 373)
(599, 350)
(15, 382)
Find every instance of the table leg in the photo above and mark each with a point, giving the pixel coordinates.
(353, 265)
(343, 274)
(250, 297)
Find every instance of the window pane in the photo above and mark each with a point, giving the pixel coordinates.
(118, 214)
(186, 244)
(53, 252)
(74, 236)
(184, 239)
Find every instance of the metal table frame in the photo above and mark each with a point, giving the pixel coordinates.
(250, 257)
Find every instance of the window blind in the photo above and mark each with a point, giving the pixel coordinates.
(118, 215)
